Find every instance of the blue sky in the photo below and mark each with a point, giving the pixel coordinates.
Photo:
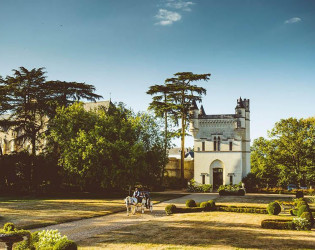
(262, 50)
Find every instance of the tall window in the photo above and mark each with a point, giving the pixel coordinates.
(219, 143)
(203, 146)
(231, 180)
(231, 146)
(203, 179)
(215, 144)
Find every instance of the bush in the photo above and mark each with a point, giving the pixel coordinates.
(189, 209)
(212, 204)
(170, 209)
(274, 208)
(302, 224)
(301, 203)
(9, 227)
(197, 204)
(299, 194)
(206, 206)
(308, 216)
(278, 224)
(241, 209)
(302, 209)
(191, 203)
(293, 212)
(195, 187)
(65, 245)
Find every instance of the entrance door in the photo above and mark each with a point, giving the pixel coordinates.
(217, 177)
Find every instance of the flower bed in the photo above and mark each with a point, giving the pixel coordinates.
(225, 190)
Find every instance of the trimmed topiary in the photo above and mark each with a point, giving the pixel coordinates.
(65, 245)
(299, 194)
(191, 203)
(274, 208)
(278, 224)
(302, 209)
(189, 209)
(212, 204)
(197, 204)
(309, 217)
(170, 209)
(206, 206)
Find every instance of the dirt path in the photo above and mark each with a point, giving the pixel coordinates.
(83, 229)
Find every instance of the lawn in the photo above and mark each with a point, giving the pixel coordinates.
(211, 230)
(33, 213)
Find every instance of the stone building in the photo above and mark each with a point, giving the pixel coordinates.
(221, 145)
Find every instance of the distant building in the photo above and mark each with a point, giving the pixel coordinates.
(8, 137)
(221, 145)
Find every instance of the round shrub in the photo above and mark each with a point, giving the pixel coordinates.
(241, 192)
(206, 206)
(299, 194)
(302, 209)
(308, 216)
(274, 208)
(191, 203)
(170, 209)
(212, 204)
(293, 212)
(8, 227)
(65, 245)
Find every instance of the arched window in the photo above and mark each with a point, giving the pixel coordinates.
(215, 144)
(219, 143)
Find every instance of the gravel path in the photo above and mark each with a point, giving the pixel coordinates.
(83, 229)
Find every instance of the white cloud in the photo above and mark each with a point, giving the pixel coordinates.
(179, 4)
(293, 20)
(167, 17)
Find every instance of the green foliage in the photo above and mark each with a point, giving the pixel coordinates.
(191, 203)
(212, 204)
(48, 239)
(251, 182)
(288, 156)
(170, 209)
(231, 190)
(302, 223)
(199, 188)
(293, 212)
(278, 224)
(198, 204)
(9, 227)
(302, 209)
(308, 216)
(105, 149)
(206, 206)
(65, 245)
(274, 208)
(240, 209)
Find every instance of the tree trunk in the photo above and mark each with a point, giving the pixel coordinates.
(165, 150)
(182, 158)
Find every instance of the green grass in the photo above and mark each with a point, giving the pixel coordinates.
(28, 213)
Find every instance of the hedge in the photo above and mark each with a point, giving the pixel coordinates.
(65, 244)
(302, 209)
(240, 192)
(274, 208)
(191, 203)
(278, 224)
(236, 209)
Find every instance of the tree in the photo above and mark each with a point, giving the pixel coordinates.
(183, 93)
(105, 149)
(288, 156)
(31, 100)
(162, 106)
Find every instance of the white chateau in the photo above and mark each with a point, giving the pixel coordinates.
(221, 145)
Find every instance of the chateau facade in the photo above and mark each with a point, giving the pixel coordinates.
(221, 145)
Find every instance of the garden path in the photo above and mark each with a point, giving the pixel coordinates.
(86, 228)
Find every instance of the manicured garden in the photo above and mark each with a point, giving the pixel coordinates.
(33, 213)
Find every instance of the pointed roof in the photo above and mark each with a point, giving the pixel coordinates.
(202, 111)
(240, 103)
(193, 105)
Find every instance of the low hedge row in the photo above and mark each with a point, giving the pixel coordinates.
(278, 224)
(242, 209)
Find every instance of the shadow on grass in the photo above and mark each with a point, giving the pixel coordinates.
(204, 234)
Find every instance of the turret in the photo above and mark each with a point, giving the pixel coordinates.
(240, 111)
(194, 124)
